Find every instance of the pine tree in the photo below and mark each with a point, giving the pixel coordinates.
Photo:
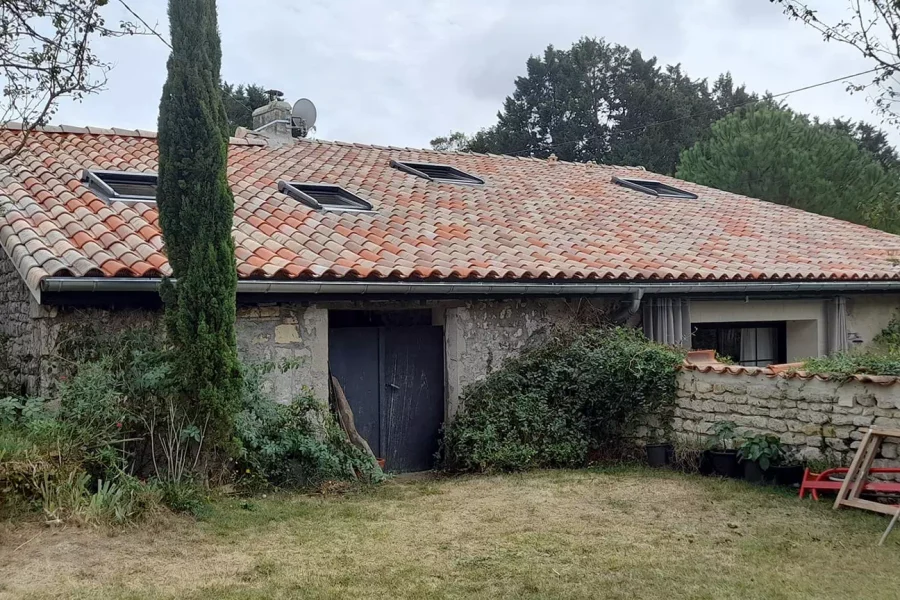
(775, 154)
(196, 208)
(596, 102)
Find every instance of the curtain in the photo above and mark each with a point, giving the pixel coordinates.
(836, 325)
(748, 346)
(668, 321)
(758, 346)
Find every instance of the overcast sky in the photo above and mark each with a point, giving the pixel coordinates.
(400, 72)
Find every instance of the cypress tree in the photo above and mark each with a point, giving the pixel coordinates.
(196, 209)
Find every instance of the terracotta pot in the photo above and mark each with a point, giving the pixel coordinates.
(380, 462)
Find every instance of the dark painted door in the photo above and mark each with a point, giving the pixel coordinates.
(353, 357)
(393, 378)
(412, 406)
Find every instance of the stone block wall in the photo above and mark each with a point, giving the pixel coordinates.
(480, 335)
(287, 334)
(19, 354)
(816, 418)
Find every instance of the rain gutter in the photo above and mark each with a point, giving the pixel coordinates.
(481, 288)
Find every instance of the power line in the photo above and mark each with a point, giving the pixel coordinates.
(705, 113)
(139, 18)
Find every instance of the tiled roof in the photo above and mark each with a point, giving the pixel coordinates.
(532, 219)
(703, 361)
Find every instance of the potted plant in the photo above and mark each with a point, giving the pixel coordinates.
(758, 453)
(722, 454)
(789, 471)
(659, 453)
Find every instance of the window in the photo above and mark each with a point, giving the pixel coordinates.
(748, 344)
(323, 196)
(121, 185)
(439, 173)
(654, 188)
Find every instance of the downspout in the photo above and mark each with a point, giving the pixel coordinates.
(631, 309)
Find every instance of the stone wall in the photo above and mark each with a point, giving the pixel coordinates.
(815, 417)
(287, 334)
(19, 352)
(480, 335)
(31, 334)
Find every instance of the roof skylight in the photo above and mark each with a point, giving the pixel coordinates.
(439, 173)
(654, 188)
(323, 196)
(125, 186)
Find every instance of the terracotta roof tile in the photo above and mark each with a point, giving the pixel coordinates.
(704, 361)
(531, 219)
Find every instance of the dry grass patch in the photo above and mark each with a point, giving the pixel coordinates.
(620, 533)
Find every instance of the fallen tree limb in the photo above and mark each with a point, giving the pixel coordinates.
(345, 418)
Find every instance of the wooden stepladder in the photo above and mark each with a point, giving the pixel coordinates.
(858, 475)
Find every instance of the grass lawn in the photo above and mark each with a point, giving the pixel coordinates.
(617, 533)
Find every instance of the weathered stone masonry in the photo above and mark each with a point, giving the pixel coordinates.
(478, 335)
(19, 341)
(815, 417)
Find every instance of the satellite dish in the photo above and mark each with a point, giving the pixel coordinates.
(304, 114)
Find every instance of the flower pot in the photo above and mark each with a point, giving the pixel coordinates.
(724, 463)
(659, 455)
(753, 472)
(706, 466)
(787, 474)
(380, 462)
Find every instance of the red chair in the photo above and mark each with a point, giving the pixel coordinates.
(821, 482)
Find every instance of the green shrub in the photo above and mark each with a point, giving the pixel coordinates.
(553, 405)
(185, 496)
(889, 338)
(295, 445)
(849, 363)
(113, 418)
(44, 464)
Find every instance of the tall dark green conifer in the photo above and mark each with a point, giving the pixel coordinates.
(196, 208)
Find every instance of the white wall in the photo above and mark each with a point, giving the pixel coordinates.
(805, 320)
(868, 315)
(806, 333)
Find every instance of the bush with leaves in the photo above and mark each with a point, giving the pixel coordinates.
(849, 363)
(553, 405)
(882, 358)
(294, 445)
(65, 468)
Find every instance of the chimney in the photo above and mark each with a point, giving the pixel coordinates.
(274, 119)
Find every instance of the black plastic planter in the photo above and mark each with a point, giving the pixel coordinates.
(659, 455)
(754, 473)
(725, 464)
(706, 466)
(787, 475)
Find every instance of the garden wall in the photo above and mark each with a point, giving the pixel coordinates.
(818, 417)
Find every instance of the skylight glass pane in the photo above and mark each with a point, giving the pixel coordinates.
(440, 173)
(122, 185)
(655, 188)
(322, 196)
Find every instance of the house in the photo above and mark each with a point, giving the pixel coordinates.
(412, 273)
